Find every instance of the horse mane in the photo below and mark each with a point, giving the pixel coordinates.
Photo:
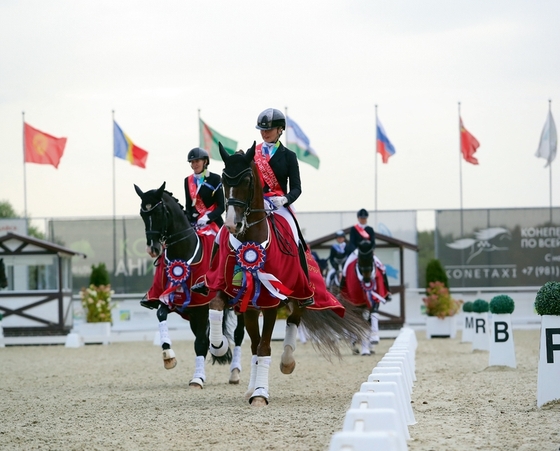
(170, 194)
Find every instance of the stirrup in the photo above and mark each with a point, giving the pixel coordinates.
(307, 302)
(151, 304)
(200, 288)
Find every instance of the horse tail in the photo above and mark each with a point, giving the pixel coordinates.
(327, 330)
(226, 330)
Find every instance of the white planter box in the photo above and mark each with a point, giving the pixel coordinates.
(95, 332)
(438, 327)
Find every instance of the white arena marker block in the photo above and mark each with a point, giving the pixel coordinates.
(383, 400)
(502, 349)
(398, 379)
(548, 388)
(375, 420)
(468, 328)
(73, 341)
(399, 367)
(364, 441)
(394, 370)
(382, 388)
(481, 340)
(410, 361)
(401, 359)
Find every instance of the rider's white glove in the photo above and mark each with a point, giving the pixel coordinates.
(279, 201)
(202, 221)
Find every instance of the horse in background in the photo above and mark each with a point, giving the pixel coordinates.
(364, 285)
(257, 269)
(3, 278)
(183, 257)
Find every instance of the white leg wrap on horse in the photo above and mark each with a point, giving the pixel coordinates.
(236, 359)
(301, 334)
(164, 333)
(216, 334)
(374, 318)
(291, 335)
(263, 366)
(252, 376)
(199, 371)
(365, 347)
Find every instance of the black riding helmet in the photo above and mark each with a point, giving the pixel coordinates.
(198, 154)
(362, 213)
(271, 118)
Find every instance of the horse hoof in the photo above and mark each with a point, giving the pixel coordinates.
(289, 368)
(259, 397)
(197, 383)
(258, 401)
(169, 360)
(234, 376)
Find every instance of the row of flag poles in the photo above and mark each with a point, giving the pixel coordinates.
(42, 148)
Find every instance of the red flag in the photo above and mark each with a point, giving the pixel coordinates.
(469, 144)
(42, 148)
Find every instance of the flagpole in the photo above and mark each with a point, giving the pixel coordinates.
(286, 114)
(199, 137)
(461, 185)
(24, 172)
(550, 167)
(375, 157)
(114, 200)
(460, 168)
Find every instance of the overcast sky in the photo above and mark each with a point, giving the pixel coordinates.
(69, 64)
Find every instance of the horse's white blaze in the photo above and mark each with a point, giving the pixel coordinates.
(230, 213)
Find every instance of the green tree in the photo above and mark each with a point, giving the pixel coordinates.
(436, 273)
(8, 212)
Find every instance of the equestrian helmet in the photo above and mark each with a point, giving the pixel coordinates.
(339, 233)
(198, 154)
(362, 213)
(271, 118)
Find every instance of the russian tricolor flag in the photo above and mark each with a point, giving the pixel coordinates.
(384, 146)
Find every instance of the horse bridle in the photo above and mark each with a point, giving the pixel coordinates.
(245, 205)
(365, 255)
(153, 235)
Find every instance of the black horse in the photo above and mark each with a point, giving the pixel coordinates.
(364, 284)
(183, 257)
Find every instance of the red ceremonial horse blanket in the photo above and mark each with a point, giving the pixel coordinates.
(360, 293)
(261, 275)
(173, 280)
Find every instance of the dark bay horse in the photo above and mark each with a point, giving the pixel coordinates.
(183, 257)
(364, 285)
(257, 270)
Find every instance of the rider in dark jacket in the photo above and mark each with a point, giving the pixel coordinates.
(339, 252)
(361, 231)
(204, 196)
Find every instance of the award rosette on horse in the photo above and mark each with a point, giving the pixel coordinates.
(173, 281)
(242, 270)
(362, 293)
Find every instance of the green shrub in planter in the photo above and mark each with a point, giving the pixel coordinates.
(99, 275)
(501, 304)
(547, 301)
(436, 273)
(468, 307)
(480, 306)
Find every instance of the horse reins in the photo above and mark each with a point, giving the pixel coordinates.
(163, 234)
(234, 202)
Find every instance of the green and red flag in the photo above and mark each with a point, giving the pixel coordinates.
(209, 139)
